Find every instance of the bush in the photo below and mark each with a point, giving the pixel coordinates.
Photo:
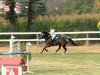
(61, 24)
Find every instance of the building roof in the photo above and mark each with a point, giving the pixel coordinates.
(11, 61)
(5, 8)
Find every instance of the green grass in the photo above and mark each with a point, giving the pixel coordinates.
(69, 64)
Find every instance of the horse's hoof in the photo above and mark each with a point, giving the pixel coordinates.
(63, 53)
(54, 53)
(41, 53)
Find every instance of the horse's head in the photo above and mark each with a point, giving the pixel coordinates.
(44, 35)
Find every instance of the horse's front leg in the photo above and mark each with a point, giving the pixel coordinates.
(44, 49)
(58, 49)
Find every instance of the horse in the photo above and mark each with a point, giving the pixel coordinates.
(60, 41)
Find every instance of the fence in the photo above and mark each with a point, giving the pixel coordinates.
(61, 33)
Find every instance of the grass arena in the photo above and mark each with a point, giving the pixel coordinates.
(79, 60)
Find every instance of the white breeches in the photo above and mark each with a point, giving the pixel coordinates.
(53, 36)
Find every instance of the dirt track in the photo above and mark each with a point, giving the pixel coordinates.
(38, 48)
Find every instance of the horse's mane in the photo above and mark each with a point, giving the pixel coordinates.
(44, 32)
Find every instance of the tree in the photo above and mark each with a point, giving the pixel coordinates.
(11, 14)
(30, 14)
(35, 7)
(41, 8)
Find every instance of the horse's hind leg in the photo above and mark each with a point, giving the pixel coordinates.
(58, 49)
(64, 48)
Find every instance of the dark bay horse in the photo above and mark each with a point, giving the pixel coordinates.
(60, 41)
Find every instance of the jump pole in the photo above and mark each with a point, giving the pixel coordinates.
(27, 61)
(11, 44)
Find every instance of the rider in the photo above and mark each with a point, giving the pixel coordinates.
(53, 35)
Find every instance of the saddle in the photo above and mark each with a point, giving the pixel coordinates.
(55, 41)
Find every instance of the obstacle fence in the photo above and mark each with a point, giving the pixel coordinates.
(15, 50)
(13, 53)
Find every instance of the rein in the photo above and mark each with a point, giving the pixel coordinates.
(49, 36)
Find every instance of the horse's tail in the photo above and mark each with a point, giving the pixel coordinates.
(70, 40)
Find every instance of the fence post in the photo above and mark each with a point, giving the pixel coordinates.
(87, 36)
(62, 35)
(37, 38)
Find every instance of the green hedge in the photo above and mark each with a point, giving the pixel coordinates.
(79, 24)
(62, 25)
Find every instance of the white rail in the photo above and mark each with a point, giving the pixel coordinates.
(62, 33)
(26, 33)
